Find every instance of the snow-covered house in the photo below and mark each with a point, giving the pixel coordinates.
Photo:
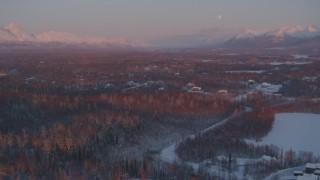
(250, 81)
(223, 91)
(264, 84)
(266, 158)
(311, 167)
(196, 89)
(189, 85)
(312, 172)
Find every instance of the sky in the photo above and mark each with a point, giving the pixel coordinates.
(151, 19)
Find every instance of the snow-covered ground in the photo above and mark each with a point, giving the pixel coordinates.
(278, 63)
(299, 131)
(247, 71)
(200, 92)
(300, 56)
(284, 173)
(240, 97)
(267, 88)
(169, 155)
(290, 130)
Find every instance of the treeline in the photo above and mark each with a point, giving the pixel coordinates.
(172, 102)
(180, 103)
(300, 105)
(83, 163)
(228, 139)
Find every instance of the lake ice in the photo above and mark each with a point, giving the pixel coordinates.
(299, 131)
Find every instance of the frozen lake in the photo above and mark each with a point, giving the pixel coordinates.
(299, 131)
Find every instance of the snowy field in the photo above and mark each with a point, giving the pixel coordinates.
(299, 131)
(267, 88)
(300, 56)
(247, 71)
(278, 63)
(169, 155)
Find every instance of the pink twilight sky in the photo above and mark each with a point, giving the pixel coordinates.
(151, 19)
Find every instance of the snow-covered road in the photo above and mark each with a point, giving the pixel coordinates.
(169, 154)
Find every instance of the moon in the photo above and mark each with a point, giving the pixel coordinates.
(220, 17)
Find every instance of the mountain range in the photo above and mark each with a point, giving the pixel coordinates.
(245, 38)
(15, 34)
(213, 37)
(284, 36)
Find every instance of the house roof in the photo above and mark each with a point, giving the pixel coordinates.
(311, 165)
(267, 158)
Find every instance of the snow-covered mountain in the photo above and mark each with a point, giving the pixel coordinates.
(249, 33)
(54, 36)
(278, 37)
(14, 34)
(219, 37)
(216, 37)
(296, 31)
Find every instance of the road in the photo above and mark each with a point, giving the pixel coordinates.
(169, 155)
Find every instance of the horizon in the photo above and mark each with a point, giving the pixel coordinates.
(205, 37)
(148, 21)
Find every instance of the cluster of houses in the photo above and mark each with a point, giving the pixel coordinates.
(265, 87)
(192, 87)
(312, 172)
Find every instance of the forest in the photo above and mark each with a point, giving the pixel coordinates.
(92, 114)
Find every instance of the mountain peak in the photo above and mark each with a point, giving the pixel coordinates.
(312, 28)
(15, 29)
(13, 26)
(248, 33)
(17, 32)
